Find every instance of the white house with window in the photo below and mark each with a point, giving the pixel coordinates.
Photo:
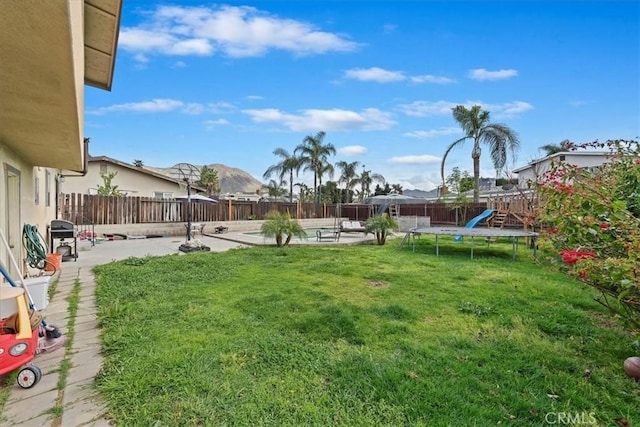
(131, 180)
(533, 171)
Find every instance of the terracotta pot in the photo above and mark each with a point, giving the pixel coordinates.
(632, 367)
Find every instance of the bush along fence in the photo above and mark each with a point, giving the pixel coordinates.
(107, 210)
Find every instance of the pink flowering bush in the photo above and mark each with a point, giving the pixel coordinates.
(571, 257)
(594, 217)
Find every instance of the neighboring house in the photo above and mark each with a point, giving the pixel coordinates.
(483, 196)
(241, 197)
(131, 180)
(583, 159)
(49, 50)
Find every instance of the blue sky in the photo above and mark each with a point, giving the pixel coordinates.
(204, 83)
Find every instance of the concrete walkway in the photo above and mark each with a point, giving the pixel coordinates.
(74, 403)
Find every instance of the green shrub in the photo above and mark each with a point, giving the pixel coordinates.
(592, 219)
(381, 226)
(282, 228)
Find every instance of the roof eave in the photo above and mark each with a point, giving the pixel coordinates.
(102, 29)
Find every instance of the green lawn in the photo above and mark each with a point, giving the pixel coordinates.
(360, 335)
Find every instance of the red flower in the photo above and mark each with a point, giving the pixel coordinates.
(571, 257)
(582, 274)
(604, 226)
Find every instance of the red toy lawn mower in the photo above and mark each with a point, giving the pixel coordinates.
(19, 337)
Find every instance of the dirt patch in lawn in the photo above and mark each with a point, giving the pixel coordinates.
(377, 284)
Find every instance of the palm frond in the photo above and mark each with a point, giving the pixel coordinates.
(446, 153)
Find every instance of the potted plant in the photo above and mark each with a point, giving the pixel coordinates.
(381, 226)
(282, 228)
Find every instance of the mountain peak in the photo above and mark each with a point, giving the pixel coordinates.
(232, 180)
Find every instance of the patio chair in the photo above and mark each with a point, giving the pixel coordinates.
(352, 227)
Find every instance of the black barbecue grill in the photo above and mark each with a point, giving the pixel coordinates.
(65, 232)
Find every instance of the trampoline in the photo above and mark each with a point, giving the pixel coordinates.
(472, 233)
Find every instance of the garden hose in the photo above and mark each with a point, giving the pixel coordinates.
(35, 246)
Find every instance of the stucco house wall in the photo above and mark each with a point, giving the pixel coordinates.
(535, 169)
(131, 180)
(28, 197)
(48, 52)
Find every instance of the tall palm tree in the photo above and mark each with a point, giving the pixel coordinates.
(365, 180)
(397, 188)
(331, 193)
(209, 180)
(550, 149)
(275, 188)
(324, 169)
(304, 193)
(477, 127)
(288, 164)
(348, 176)
(314, 156)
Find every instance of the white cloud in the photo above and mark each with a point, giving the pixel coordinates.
(138, 40)
(509, 109)
(153, 106)
(369, 119)
(200, 47)
(374, 74)
(389, 28)
(482, 74)
(417, 182)
(427, 108)
(141, 58)
(220, 107)
(179, 64)
(443, 108)
(352, 150)
(210, 124)
(428, 78)
(194, 108)
(380, 75)
(237, 31)
(415, 159)
(425, 134)
(254, 97)
(163, 105)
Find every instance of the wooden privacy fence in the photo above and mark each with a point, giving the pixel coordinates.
(101, 210)
(108, 210)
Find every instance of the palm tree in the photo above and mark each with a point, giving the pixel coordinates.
(396, 188)
(550, 149)
(348, 176)
(288, 164)
(282, 228)
(304, 193)
(331, 193)
(381, 226)
(209, 180)
(365, 180)
(274, 188)
(477, 127)
(325, 168)
(313, 155)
